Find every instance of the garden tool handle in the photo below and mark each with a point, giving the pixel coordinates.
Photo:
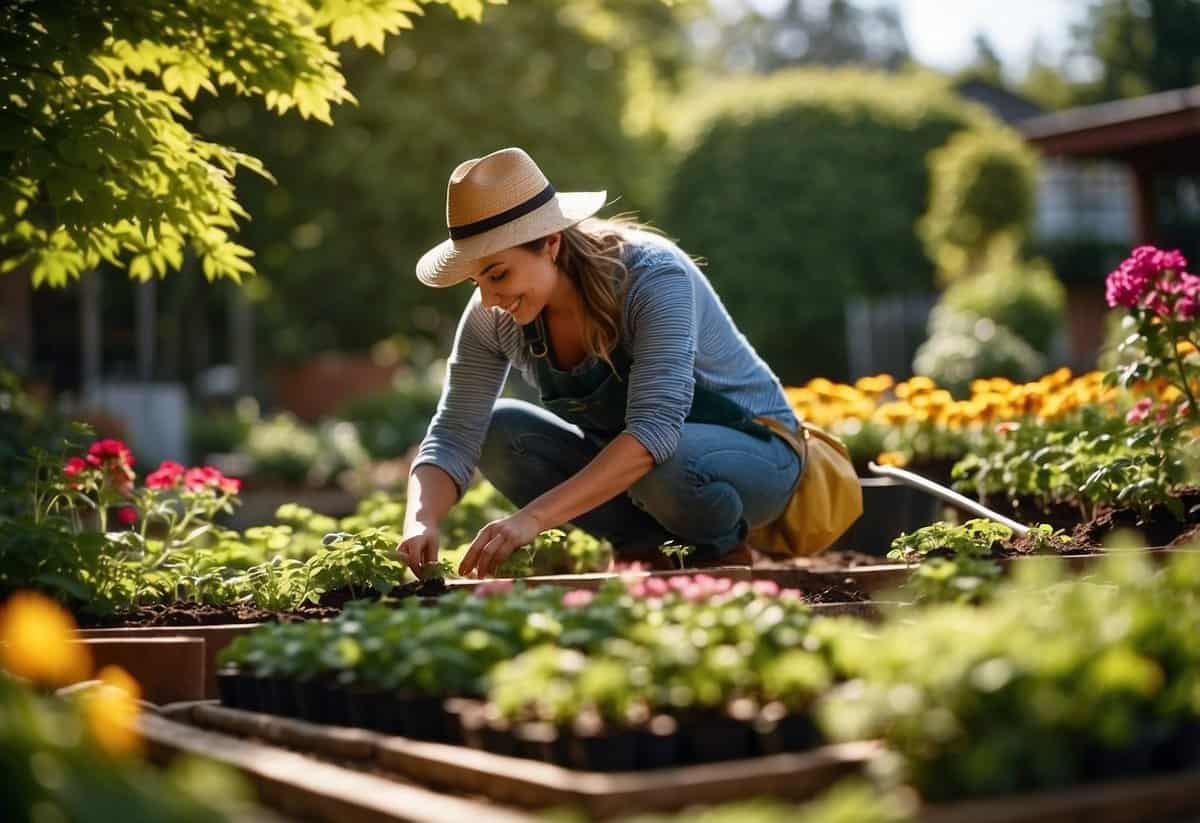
(947, 495)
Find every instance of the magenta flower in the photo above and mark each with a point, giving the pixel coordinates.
(1134, 280)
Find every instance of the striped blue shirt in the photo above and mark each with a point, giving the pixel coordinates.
(675, 329)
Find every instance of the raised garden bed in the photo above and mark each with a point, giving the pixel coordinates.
(530, 784)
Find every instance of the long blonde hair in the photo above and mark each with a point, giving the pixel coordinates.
(591, 255)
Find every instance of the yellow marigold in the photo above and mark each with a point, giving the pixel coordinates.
(1001, 385)
(820, 385)
(875, 384)
(1059, 377)
(980, 385)
(1185, 347)
(37, 641)
(111, 712)
(798, 395)
(893, 413)
(892, 459)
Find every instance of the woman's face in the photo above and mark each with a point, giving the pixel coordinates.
(519, 281)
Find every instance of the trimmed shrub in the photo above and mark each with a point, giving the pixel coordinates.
(963, 346)
(1025, 298)
(803, 188)
(983, 185)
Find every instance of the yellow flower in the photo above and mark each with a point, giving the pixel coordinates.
(891, 459)
(1185, 347)
(876, 384)
(111, 712)
(893, 413)
(37, 641)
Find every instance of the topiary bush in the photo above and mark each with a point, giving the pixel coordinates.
(804, 188)
(1025, 298)
(983, 185)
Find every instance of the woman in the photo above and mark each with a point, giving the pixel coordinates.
(646, 430)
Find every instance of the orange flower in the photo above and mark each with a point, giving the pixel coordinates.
(37, 641)
(892, 459)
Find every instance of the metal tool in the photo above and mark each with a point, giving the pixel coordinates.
(946, 495)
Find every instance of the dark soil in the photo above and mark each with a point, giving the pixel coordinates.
(1160, 528)
(195, 614)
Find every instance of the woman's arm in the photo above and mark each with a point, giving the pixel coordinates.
(618, 466)
(430, 495)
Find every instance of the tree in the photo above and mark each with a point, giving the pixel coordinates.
(99, 163)
(987, 65)
(575, 82)
(1142, 46)
(842, 33)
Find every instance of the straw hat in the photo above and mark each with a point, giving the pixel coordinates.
(494, 203)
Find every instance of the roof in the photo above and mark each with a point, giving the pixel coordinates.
(1119, 127)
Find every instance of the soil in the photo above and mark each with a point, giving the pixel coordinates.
(1160, 528)
(1019, 546)
(195, 614)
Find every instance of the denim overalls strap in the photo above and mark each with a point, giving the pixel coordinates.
(595, 398)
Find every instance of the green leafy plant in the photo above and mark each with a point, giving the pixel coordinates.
(99, 164)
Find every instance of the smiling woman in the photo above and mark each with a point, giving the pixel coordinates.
(653, 405)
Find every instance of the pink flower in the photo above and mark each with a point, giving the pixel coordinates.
(491, 587)
(166, 476)
(1136, 277)
(766, 587)
(656, 586)
(791, 594)
(1140, 411)
(201, 477)
(127, 515)
(75, 466)
(577, 598)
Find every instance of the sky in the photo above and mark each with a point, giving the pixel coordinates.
(940, 32)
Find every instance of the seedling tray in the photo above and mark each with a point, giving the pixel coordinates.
(531, 784)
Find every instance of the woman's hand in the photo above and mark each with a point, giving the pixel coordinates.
(419, 546)
(496, 541)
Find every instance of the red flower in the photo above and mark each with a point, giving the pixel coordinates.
(127, 515)
(109, 451)
(166, 476)
(75, 466)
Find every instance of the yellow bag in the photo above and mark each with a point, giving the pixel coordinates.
(827, 500)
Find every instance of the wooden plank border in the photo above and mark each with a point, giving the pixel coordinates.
(530, 784)
(308, 788)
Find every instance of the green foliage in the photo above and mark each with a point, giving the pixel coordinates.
(214, 431)
(981, 196)
(1044, 687)
(99, 163)
(1142, 47)
(1025, 298)
(1089, 462)
(852, 800)
(775, 177)
(45, 735)
(963, 346)
(955, 562)
(390, 423)
(357, 204)
(283, 449)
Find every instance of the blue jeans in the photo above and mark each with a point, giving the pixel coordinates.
(718, 484)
